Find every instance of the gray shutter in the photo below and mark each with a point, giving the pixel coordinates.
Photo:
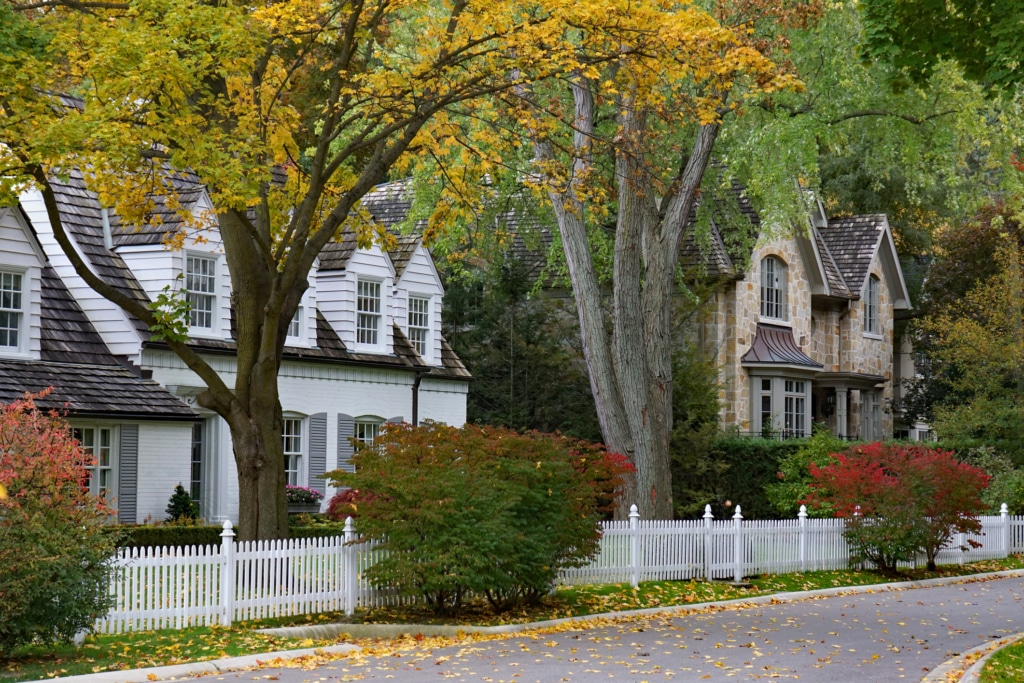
(346, 432)
(128, 475)
(396, 419)
(318, 452)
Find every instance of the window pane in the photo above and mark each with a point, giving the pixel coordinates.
(367, 431)
(368, 309)
(200, 284)
(293, 326)
(419, 323)
(10, 309)
(292, 445)
(198, 446)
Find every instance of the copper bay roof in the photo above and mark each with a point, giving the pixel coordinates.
(775, 345)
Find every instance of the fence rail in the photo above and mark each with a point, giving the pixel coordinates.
(156, 588)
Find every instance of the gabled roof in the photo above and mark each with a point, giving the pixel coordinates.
(67, 334)
(836, 284)
(852, 242)
(774, 345)
(82, 217)
(164, 220)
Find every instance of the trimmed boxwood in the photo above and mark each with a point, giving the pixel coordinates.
(181, 535)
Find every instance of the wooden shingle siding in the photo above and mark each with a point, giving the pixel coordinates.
(318, 451)
(128, 475)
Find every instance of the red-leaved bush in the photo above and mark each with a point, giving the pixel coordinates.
(911, 499)
(53, 548)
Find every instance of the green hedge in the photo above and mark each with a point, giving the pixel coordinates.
(175, 535)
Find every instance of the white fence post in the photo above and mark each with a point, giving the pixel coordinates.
(737, 521)
(708, 542)
(634, 545)
(1004, 512)
(227, 574)
(351, 564)
(802, 515)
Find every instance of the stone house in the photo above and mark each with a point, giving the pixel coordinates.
(365, 348)
(803, 332)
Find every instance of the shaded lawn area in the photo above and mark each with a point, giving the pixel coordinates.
(159, 648)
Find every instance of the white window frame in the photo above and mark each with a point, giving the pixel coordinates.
(781, 405)
(871, 310)
(363, 317)
(104, 472)
(774, 298)
(294, 447)
(21, 310)
(298, 324)
(366, 429)
(423, 346)
(194, 297)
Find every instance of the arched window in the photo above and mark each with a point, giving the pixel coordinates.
(367, 428)
(871, 306)
(773, 288)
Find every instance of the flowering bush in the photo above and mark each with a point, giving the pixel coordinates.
(302, 495)
(54, 548)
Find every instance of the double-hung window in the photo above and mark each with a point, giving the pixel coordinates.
(368, 312)
(98, 442)
(295, 326)
(367, 429)
(200, 285)
(871, 306)
(773, 288)
(291, 436)
(419, 324)
(12, 312)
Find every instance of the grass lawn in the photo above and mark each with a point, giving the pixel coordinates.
(156, 648)
(1006, 666)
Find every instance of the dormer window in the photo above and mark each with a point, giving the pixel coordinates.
(368, 312)
(871, 325)
(773, 288)
(12, 313)
(419, 324)
(295, 326)
(200, 285)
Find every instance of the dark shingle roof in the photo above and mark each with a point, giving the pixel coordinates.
(98, 390)
(709, 253)
(184, 188)
(81, 215)
(67, 335)
(853, 241)
(403, 251)
(775, 345)
(389, 203)
(836, 284)
(451, 365)
(335, 255)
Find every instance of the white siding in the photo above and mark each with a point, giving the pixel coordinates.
(153, 265)
(443, 401)
(164, 462)
(370, 263)
(421, 278)
(109, 320)
(20, 254)
(336, 300)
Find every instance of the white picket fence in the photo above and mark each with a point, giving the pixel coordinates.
(156, 588)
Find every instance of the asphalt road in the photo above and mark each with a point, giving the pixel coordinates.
(886, 636)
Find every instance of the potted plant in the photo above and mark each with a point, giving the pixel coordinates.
(302, 499)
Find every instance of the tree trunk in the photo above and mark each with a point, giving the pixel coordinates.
(256, 442)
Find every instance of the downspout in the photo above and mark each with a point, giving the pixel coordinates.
(416, 397)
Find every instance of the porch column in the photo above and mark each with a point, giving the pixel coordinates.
(841, 412)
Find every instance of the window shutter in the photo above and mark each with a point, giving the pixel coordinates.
(128, 475)
(346, 431)
(317, 452)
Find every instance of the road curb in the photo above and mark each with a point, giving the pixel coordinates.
(966, 667)
(212, 666)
